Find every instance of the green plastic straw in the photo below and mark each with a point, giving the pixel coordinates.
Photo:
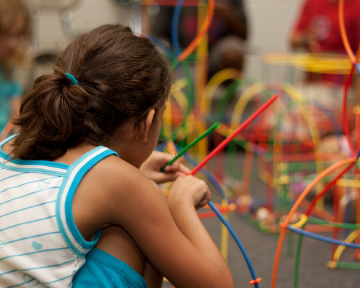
(193, 143)
(333, 224)
(347, 265)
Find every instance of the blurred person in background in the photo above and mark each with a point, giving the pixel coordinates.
(226, 35)
(14, 36)
(317, 30)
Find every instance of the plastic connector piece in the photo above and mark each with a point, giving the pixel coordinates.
(257, 281)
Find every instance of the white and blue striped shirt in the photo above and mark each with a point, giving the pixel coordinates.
(40, 245)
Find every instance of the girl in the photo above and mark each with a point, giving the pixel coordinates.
(14, 33)
(73, 171)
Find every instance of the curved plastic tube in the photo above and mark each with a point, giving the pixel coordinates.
(322, 238)
(296, 205)
(233, 234)
(175, 30)
(343, 32)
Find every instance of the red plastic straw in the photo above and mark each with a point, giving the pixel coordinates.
(344, 116)
(232, 135)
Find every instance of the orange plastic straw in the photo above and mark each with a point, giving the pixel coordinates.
(296, 205)
(201, 34)
(343, 32)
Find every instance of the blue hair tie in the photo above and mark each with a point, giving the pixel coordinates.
(71, 78)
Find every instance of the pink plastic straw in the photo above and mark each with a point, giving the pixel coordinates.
(232, 135)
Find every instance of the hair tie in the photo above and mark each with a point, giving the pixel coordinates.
(71, 78)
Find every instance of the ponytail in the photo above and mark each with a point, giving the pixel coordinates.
(51, 118)
(120, 76)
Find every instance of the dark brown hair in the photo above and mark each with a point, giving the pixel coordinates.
(120, 75)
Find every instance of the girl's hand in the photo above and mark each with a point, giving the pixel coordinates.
(191, 190)
(151, 168)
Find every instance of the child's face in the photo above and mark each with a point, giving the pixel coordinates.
(10, 40)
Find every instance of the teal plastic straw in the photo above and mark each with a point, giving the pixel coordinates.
(193, 143)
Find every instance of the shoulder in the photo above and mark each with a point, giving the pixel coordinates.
(112, 171)
(113, 184)
(110, 192)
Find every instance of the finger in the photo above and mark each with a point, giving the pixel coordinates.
(177, 166)
(202, 202)
(167, 177)
(173, 167)
(184, 169)
(180, 174)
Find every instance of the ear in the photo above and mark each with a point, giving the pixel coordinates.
(148, 122)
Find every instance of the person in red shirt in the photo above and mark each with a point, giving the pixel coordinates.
(317, 30)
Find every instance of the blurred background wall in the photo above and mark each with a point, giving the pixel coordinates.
(270, 22)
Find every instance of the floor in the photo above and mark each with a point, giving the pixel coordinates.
(261, 248)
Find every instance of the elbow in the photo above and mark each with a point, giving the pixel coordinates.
(221, 278)
(231, 283)
(227, 279)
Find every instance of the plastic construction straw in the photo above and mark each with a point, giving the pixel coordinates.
(204, 28)
(343, 33)
(255, 280)
(175, 30)
(295, 206)
(344, 115)
(346, 265)
(233, 134)
(193, 143)
(322, 238)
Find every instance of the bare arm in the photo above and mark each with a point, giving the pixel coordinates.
(151, 168)
(305, 39)
(170, 235)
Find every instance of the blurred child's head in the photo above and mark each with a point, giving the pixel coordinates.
(14, 32)
(120, 76)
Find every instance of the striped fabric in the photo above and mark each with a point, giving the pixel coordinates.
(40, 245)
